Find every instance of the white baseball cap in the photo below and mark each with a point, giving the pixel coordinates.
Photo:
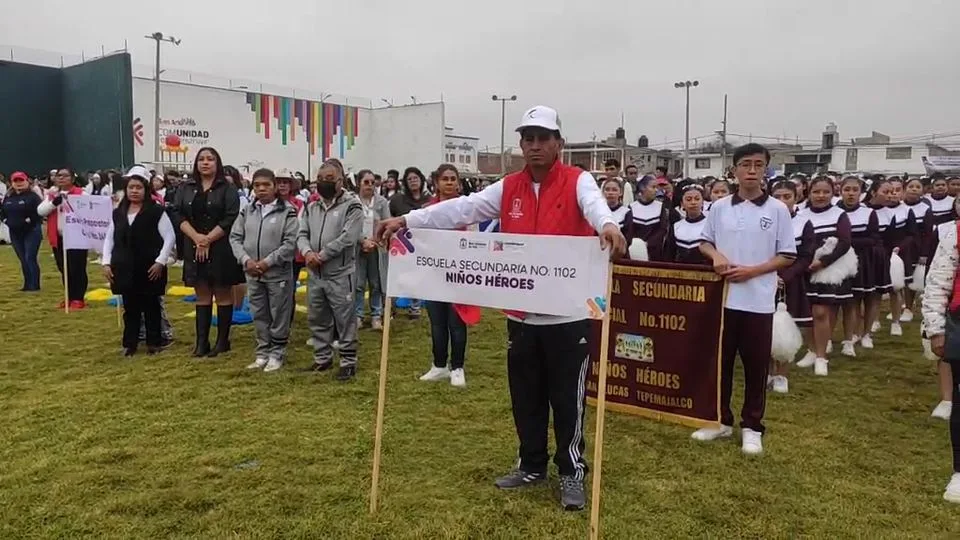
(139, 171)
(542, 117)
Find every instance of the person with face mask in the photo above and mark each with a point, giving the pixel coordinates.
(330, 229)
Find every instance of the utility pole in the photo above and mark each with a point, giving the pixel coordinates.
(723, 138)
(159, 38)
(503, 120)
(686, 138)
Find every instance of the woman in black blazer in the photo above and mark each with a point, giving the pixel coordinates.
(204, 209)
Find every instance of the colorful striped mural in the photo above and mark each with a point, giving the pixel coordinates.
(320, 122)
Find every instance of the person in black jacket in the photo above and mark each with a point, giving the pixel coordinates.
(205, 208)
(135, 251)
(19, 213)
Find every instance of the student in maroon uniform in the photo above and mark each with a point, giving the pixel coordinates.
(940, 201)
(613, 193)
(683, 239)
(648, 219)
(829, 221)
(751, 269)
(902, 242)
(921, 241)
(792, 280)
(548, 356)
(866, 241)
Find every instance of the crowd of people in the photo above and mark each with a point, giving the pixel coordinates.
(243, 239)
(828, 247)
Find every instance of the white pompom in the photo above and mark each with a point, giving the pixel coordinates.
(844, 267)
(787, 338)
(638, 250)
(919, 278)
(898, 274)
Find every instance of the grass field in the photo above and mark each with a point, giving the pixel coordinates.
(99, 446)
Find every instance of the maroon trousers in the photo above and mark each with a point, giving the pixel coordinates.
(749, 335)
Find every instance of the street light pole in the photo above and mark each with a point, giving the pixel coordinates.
(503, 120)
(686, 137)
(159, 38)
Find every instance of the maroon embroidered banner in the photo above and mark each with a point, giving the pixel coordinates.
(666, 322)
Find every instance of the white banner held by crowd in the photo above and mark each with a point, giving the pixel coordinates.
(550, 275)
(86, 219)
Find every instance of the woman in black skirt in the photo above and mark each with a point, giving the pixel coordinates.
(829, 221)
(138, 243)
(792, 282)
(866, 241)
(205, 209)
(921, 239)
(902, 236)
(683, 239)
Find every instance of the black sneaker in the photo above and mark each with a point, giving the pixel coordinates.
(571, 493)
(153, 350)
(518, 479)
(346, 373)
(317, 367)
(129, 351)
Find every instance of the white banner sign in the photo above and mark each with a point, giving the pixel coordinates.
(550, 275)
(86, 219)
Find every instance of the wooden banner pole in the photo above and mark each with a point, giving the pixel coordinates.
(66, 276)
(381, 397)
(601, 404)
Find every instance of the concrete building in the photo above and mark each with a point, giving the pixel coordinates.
(592, 154)
(488, 163)
(460, 151)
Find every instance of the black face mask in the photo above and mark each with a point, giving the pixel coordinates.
(327, 190)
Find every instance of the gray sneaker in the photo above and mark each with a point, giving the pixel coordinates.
(518, 479)
(571, 493)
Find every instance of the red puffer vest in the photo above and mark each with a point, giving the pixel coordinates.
(556, 211)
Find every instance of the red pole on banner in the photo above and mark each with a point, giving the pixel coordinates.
(601, 403)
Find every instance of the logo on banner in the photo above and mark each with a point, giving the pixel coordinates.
(634, 347)
(597, 307)
(463, 243)
(400, 244)
(497, 245)
(516, 209)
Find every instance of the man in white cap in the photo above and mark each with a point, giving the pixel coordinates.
(547, 356)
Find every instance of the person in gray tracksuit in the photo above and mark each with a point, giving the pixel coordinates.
(264, 240)
(330, 229)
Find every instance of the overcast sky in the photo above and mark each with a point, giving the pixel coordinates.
(789, 67)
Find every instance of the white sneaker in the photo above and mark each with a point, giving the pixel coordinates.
(952, 493)
(889, 316)
(820, 367)
(780, 384)
(807, 360)
(928, 350)
(258, 363)
(830, 346)
(896, 329)
(942, 410)
(712, 433)
(752, 442)
(436, 374)
(866, 342)
(274, 364)
(376, 323)
(875, 327)
(848, 349)
(906, 316)
(457, 378)
(311, 343)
